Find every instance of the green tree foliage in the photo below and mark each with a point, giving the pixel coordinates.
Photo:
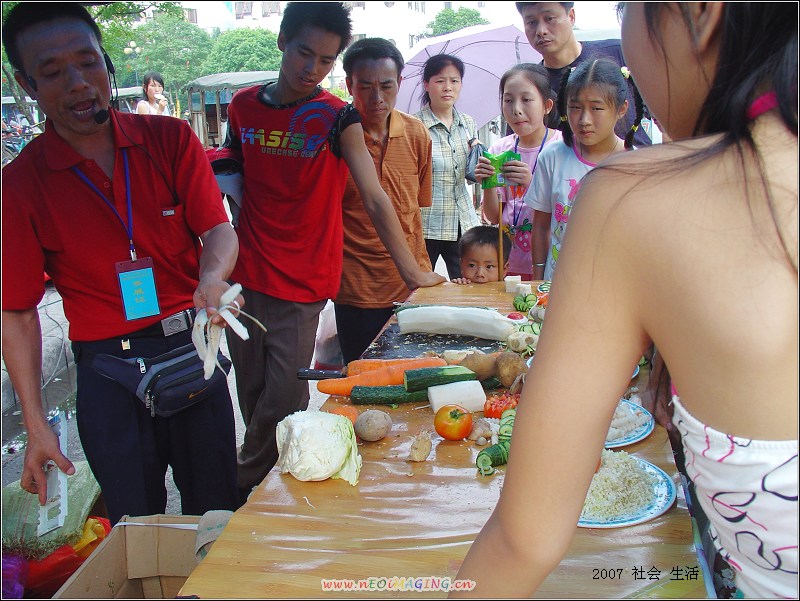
(244, 50)
(170, 46)
(449, 20)
(117, 22)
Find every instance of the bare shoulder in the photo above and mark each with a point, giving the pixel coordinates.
(641, 181)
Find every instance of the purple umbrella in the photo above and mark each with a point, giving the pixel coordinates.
(487, 51)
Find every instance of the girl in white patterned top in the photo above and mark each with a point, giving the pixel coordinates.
(691, 246)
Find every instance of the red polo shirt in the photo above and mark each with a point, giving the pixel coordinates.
(54, 222)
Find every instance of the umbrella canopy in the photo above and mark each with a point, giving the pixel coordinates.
(487, 51)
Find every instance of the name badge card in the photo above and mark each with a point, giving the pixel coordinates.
(137, 284)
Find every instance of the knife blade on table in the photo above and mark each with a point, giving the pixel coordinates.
(318, 374)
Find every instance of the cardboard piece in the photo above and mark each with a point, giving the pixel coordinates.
(149, 558)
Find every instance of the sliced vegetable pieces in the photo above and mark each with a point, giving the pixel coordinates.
(497, 403)
(497, 454)
(492, 456)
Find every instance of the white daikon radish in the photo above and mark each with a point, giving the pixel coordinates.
(464, 321)
(469, 394)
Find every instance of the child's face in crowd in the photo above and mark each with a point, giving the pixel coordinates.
(591, 116)
(479, 264)
(523, 106)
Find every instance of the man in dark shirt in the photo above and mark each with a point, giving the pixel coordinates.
(549, 29)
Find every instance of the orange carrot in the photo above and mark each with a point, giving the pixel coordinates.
(362, 365)
(385, 376)
(347, 411)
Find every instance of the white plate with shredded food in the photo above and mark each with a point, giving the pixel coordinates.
(631, 423)
(658, 493)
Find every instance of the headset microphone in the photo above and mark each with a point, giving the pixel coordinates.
(101, 116)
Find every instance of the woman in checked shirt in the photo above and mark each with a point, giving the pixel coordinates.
(452, 211)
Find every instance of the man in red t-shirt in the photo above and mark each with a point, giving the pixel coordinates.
(294, 142)
(113, 207)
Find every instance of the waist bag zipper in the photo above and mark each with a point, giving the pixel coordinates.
(149, 397)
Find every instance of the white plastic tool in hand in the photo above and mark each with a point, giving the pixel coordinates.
(206, 335)
(53, 513)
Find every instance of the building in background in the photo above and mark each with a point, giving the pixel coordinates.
(401, 22)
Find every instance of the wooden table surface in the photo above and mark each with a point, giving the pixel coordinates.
(417, 521)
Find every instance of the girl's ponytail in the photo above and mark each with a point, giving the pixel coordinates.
(637, 99)
(566, 131)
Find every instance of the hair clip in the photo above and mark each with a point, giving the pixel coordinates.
(563, 118)
(625, 72)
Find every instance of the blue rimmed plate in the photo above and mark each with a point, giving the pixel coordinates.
(637, 434)
(664, 493)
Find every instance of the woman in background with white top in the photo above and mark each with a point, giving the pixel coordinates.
(154, 103)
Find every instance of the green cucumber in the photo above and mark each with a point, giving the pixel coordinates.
(506, 425)
(491, 383)
(425, 377)
(520, 304)
(386, 395)
(492, 456)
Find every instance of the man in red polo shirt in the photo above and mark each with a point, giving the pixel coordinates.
(99, 196)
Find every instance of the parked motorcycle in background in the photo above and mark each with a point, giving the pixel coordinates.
(14, 140)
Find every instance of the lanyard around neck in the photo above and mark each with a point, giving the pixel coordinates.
(129, 226)
(518, 210)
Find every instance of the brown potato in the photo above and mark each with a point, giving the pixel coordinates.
(483, 365)
(509, 366)
(373, 425)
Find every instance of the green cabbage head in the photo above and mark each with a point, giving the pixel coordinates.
(314, 445)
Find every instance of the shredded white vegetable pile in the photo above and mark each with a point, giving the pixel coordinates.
(620, 487)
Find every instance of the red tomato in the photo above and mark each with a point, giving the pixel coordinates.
(495, 405)
(516, 315)
(453, 422)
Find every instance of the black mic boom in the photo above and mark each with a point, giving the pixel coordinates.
(101, 116)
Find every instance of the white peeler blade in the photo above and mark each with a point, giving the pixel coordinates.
(53, 513)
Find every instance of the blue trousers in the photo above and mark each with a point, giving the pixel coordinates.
(128, 450)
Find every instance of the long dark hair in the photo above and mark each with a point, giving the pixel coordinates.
(757, 54)
(607, 76)
(434, 66)
(148, 77)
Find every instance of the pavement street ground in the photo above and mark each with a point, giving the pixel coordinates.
(59, 387)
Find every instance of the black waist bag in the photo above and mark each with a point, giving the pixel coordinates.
(166, 384)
